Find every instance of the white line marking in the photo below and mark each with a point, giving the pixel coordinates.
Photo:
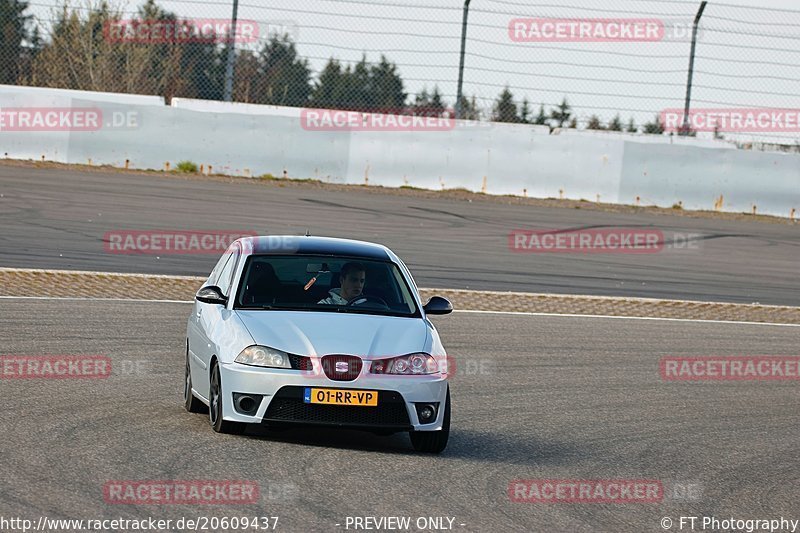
(520, 313)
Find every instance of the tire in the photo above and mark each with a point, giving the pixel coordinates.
(215, 407)
(433, 441)
(192, 404)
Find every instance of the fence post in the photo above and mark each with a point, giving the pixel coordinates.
(685, 128)
(459, 92)
(228, 94)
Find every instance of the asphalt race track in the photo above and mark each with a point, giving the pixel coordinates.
(57, 219)
(533, 397)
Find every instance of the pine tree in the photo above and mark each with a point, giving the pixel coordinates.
(505, 110)
(469, 109)
(13, 31)
(632, 127)
(541, 118)
(654, 127)
(285, 78)
(562, 113)
(525, 112)
(594, 123)
(437, 104)
(615, 124)
(429, 105)
(386, 87)
(330, 90)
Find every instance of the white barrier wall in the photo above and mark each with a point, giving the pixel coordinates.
(497, 158)
(664, 174)
(114, 98)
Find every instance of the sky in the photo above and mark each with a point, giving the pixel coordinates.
(746, 56)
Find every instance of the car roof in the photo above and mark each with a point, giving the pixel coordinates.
(307, 245)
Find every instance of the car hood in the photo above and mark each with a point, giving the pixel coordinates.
(317, 334)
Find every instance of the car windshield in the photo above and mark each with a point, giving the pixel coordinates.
(324, 283)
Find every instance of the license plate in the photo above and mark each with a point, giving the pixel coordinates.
(367, 398)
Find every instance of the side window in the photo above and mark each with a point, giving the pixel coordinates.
(226, 274)
(221, 262)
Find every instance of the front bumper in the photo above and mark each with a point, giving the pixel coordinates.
(282, 398)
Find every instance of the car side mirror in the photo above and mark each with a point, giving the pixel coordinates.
(438, 306)
(211, 295)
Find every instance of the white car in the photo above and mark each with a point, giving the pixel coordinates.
(289, 331)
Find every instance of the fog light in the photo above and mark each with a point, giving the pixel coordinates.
(426, 412)
(246, 404)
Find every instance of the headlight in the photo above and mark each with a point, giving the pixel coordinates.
(415, 364)
(264, 356)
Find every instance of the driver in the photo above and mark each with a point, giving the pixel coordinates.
(351, 278)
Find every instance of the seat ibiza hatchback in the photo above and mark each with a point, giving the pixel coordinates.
(293, 331)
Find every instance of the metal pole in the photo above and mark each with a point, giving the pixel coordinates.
(228, 94)
(685, 129)
(459, 92)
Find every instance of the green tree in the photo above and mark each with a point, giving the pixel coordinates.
(386, 87)
(655, 127)
(469, 108)
(505, 110)
(594, 123)
(541, 118)
(437, 103)
(330, 90)
(525, 112)
(284, 79)
(615, 124)
(562, 113)
(632, 127)
(360, 87)
(429, 104)
(178, 67)
(13, 33)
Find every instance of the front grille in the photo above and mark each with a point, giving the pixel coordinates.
(300, 362)
(341, 367)
(288, 406)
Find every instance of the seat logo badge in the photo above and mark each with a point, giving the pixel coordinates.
(341, 367)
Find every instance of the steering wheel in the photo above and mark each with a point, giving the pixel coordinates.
(362, 299)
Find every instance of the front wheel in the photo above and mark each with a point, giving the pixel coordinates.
(433, 441)
(215, 408)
